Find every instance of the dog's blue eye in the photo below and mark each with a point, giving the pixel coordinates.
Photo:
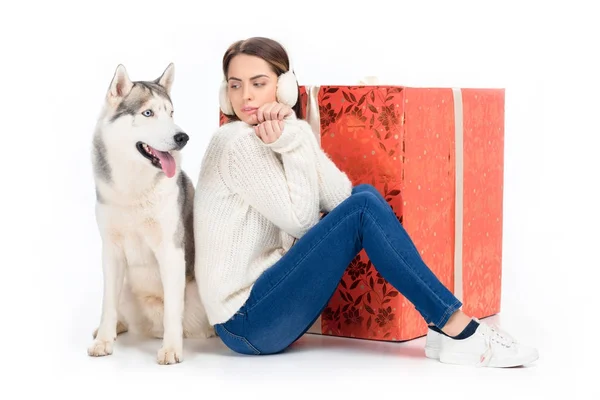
(148, 113)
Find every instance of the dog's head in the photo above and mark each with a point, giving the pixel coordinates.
(138, 121)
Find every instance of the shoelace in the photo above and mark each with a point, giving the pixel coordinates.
(494, 334)
(504, 338)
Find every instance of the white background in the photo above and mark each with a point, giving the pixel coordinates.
(57, 59)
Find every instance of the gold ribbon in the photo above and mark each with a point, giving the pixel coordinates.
(458, 193)
(312, 111)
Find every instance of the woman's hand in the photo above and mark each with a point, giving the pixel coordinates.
(273, 111)
(269, 131)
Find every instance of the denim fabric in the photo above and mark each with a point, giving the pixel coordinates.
(288, 297)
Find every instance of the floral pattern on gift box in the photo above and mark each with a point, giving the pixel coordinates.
(361, 131)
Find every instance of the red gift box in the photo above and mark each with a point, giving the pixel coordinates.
(436, 155)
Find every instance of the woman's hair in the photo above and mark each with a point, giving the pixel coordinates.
(267, 49)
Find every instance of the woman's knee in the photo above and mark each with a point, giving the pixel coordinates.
(367, 198)
(370, 193)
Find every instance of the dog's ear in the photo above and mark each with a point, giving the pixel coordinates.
(166, 79)
(120, 86)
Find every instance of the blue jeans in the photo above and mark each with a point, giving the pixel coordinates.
(289, 297)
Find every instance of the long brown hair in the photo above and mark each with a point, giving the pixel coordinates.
(267, 49)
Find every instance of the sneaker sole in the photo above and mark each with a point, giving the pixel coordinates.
(432, 352)
(470, 359)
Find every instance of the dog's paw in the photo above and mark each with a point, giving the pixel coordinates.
(100, 348)
(169, 355)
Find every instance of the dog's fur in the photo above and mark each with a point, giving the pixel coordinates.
(145, 220)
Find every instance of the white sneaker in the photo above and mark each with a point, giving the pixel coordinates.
(433, 344)
(487, 347)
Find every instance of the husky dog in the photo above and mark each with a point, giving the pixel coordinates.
(144, 215)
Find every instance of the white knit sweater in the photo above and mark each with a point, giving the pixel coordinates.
(252, 200)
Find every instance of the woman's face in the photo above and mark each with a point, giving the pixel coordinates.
(250, 83)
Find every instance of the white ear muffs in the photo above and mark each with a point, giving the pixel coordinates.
(287, 89)
(224, 102)
(287, 92)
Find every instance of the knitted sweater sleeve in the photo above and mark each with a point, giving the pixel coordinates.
(279, 179)
(334, 185)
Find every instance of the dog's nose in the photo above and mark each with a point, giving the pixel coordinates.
(181, 139)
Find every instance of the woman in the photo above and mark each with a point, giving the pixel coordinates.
(267, 263)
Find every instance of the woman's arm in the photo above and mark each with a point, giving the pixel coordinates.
(278, 179)
(334, 185)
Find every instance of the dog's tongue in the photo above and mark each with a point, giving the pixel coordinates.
(167, 162)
